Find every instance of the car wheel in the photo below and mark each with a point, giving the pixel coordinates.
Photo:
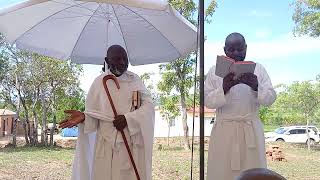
(312, 142)
(280, 140)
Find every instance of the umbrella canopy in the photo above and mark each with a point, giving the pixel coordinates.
(151, 31)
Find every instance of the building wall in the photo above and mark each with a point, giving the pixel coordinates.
(161, 126)
(6, 125)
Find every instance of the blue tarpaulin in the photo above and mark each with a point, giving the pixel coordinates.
(70, 132)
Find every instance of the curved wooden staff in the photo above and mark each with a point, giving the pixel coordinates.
(105, 79)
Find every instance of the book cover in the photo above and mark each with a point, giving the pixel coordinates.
(225, 65)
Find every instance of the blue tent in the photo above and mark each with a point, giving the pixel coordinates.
(70, 132)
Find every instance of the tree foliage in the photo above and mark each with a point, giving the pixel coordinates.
(169, 109)
(39, 88)
(150, 87)
(307, 17)
(177, 76)
(296, 104)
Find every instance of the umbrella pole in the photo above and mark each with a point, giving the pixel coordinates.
(201, 24)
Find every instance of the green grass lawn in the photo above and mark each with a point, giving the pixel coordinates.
(35, 163)
(168, 163)
(302, 164)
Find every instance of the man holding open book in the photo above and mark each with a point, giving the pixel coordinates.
(236, 89)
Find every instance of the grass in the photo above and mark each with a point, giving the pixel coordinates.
(170, 163)
(302, 164)
(35, 163)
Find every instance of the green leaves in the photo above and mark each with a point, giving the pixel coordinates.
(307, 17)
(188, 9)
(169, 108)
(295, 104)
(210, 10)
(150, 86)
(34, 77)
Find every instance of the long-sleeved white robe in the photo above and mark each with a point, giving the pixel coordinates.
(237, 139)
(101, 153)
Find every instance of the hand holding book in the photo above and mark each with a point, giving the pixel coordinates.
(226, 65)
(228, 82)
(249, 79)
(235, 72)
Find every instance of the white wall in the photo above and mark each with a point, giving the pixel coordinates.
(161, 126)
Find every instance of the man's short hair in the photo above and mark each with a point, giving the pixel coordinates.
(259, 174)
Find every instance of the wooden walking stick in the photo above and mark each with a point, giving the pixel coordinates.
(105, 79)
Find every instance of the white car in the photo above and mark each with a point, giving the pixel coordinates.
(294, 134)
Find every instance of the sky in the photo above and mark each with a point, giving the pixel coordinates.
(267, 27)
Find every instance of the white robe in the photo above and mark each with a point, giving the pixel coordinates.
(237, 138)
(101, 153)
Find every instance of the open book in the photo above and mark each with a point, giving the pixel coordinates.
(225, 65)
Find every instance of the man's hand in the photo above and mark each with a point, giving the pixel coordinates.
(120, 122)
(229, 82)
(75, 117)
(249, 79)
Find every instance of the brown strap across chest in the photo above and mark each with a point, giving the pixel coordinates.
(136, 100)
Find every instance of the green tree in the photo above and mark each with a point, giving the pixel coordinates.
(263, 113)
(307, 17)
(306, 98)
(177, 76)
(37, 87)
(12, 89)
(169, 110)
(297, 104)
(146, 78)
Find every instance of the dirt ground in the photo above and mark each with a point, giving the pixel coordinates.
(169, 163)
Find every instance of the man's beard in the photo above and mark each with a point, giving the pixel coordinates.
(117, 71)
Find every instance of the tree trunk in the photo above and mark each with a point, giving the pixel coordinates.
(44, 138)
(34, 135)
(14, 137)
(54, 114)
(14, 133)
(25, 132)
(30, 134)
(35, 116)
(52, 130)
(308, 135)
(185, 123)
(26, 124)
(168, 138)
(35, 127)
(26, 112)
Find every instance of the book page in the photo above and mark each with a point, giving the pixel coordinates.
(223, 66)
(240, 68)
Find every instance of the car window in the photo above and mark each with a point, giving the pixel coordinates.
(280, 130)
(293, 131)
(301, 131)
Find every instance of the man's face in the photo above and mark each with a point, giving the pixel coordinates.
(236, 48)
(117, 60)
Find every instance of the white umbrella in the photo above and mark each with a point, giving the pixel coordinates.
(150, 30)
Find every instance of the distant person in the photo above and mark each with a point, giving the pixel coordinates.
(259, 174)
(237, 138)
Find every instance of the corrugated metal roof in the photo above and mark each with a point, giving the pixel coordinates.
(7, 112)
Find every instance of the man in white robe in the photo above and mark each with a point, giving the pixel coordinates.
(237, 137)
(101, 153)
